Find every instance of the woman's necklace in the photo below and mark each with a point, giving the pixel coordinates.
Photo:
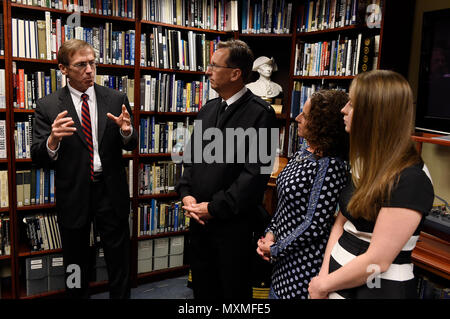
(300, 157)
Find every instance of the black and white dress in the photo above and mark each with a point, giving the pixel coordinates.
(413, 191)
(308, 192)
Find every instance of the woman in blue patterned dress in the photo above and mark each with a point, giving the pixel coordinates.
(308, 190)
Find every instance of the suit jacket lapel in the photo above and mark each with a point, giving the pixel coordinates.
(66, 104)
(102, 109)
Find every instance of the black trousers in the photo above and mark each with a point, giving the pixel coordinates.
(115, 240)
(221, 265)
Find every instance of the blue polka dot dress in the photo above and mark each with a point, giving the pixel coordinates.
(308, 191)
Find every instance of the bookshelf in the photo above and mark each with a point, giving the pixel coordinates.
(278, 43)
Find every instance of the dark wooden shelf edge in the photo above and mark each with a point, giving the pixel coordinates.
(269, 35)
(300, 77)
(35, 207)
(155, 155)
(432, 254)
(18, 59)
(332, 30)
(23, 160)
(39, 253)
(430, 268)
(55, 62)
(169, 234)
(175, 26)
(16, 110)
(163, 195)
(150, 68)
(5, 257)
(168, 113)
(83, 14)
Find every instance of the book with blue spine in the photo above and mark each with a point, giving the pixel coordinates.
(38, 186)
(132, 53)
(46, 186)
(52, 186)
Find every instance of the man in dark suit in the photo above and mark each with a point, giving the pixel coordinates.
(80, 131)
(222, 186)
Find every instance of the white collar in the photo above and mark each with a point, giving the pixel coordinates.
(236, 96)
(90, 91)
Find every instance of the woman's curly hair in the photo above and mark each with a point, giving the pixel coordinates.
(325, 128)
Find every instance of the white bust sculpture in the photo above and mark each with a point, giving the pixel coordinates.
(263, 87)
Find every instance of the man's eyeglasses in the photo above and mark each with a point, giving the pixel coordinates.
(213, 67)
(83, 65)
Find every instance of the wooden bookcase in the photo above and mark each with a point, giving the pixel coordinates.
(397, 18)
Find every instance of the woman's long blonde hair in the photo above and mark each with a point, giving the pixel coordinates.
(380, 138)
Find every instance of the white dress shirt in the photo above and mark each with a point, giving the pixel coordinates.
(92, 101)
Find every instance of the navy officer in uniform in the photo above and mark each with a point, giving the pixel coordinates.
(224, 196)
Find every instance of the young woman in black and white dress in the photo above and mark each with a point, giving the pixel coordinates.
(368, 254)
(308, 190)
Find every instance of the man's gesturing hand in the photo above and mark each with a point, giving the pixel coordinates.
(123, 120)
(62, 126)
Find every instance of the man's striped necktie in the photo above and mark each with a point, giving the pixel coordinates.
(87, 130)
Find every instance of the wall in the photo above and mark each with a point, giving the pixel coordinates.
(436, 157)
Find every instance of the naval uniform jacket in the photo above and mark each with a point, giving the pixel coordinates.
(233, 190)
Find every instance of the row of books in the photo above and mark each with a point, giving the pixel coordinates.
(220, 15)
(38, 39)
(4, 199)
(171, 49)
(118, 8)
(5, 236)
(121, 83)
(30, 87)
(428, 289)
(42, 231)
(2, 88)
(162, 137)
(41, 39)
(164, 93)
(341, 57)
(2, 36)
(302, 91)
(35, 186)
(129, 173)
(266, 16)
(158, 178)
(295, 142)
(23, 137)
(3, 139)
(111, 47)
(280, 151)
(328, 14)
(161, 217)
